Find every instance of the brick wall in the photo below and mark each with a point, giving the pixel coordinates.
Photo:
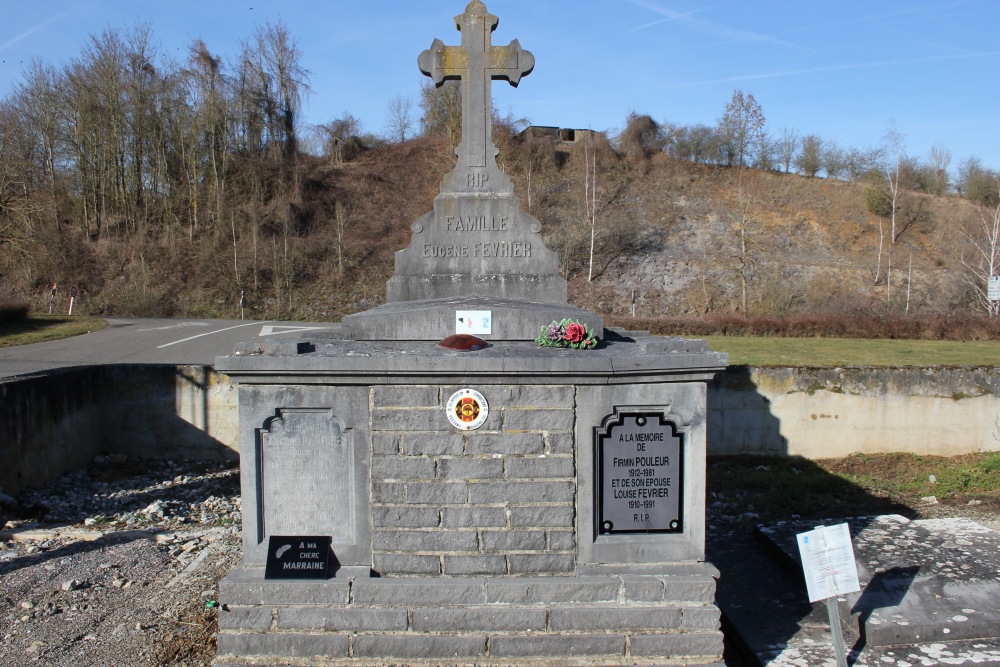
(498, 500)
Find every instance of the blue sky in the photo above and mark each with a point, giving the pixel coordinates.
(844, 70)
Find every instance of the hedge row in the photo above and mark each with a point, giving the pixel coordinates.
(859, 324)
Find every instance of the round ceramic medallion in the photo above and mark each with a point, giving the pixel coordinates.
(467, 409)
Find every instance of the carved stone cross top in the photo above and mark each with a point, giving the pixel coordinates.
(476, 62)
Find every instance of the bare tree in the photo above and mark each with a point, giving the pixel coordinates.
(342, 219)
(694, 143)
(400, 117)
(441, 109)
(893, 172)
(38, 104)
(342, 141)
(272, 83)
(767, 151)
(862, 162)
(741, 125)
(289, 79)
(878, 204)
(741, 212)
(788, 147)
(983, 261)
(977, 183)
(210, 121)
(810, 158)
(940, 160)
(590, 200)
(834, 160)
(18, 210)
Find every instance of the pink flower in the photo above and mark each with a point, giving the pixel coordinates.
(575, 333)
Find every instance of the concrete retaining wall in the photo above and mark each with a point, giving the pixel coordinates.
(50, 424)
(54, 423)
(832, 412)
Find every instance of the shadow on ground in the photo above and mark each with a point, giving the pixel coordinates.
(762, 597)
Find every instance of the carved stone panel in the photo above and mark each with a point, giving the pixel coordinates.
(306, 476)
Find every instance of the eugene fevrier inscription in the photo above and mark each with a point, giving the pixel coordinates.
(639, 469)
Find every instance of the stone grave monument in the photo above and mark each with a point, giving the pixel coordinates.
(500, 503)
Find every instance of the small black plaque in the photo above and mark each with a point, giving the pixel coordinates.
(298, 557)
(640, 478)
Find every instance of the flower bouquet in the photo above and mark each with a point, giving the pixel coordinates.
(567, 333)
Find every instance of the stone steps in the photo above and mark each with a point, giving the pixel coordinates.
(665, 619)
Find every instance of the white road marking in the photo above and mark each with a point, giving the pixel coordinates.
(207, 333)
(273, 329)
(177, 326)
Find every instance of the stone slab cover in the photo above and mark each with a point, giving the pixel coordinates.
(307, 476)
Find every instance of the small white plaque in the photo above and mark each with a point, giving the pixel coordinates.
(993, 288)
(474, 322)
(467, 409)
(828, 562)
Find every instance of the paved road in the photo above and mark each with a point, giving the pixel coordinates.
(146, 341)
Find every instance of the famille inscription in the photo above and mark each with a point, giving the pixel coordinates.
(476, 223)
(639, 466)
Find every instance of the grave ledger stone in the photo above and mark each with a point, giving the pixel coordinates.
(516, 503)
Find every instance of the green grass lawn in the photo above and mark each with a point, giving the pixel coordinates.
(855, 352)
(37, 328)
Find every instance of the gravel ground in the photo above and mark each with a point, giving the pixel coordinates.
(118, 565)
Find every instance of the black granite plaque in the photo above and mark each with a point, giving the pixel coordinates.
(298, 557)
(640, 478)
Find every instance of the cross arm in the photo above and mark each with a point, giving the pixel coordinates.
(442, 62)
(511, 62)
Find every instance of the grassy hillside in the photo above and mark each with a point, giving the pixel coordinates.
(322, 245)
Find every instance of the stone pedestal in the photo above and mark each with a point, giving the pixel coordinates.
(467, 545)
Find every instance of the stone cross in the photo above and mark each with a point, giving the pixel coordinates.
(476, 62)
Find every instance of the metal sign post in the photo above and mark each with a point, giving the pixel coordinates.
(830, 570)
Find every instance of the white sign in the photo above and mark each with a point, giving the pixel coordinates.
(467, 409)
(828, 562)
(993, 288)
(475, 322)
